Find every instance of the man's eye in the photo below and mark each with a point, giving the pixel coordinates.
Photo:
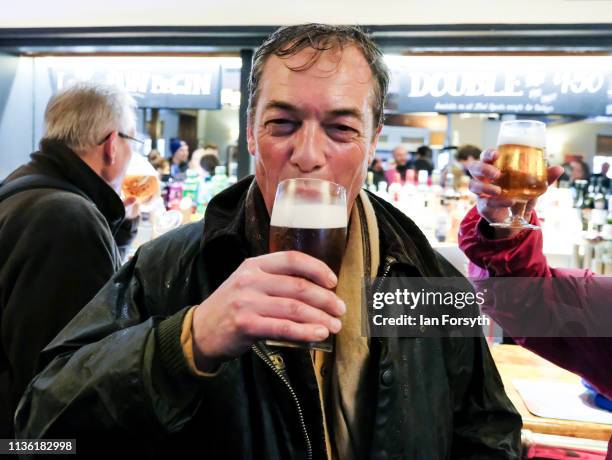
(342, 132)
(281, 126)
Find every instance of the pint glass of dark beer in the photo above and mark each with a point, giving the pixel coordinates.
(310, 215)
(521, 159)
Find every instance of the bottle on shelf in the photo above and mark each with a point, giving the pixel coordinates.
(579, 191)
(191, 185)
(442, 226)
(589, 199)
(175, 194)
(204, 196)
(370, 185)
(599, 198)
(382, 190)
(449, 187)
(219, 181)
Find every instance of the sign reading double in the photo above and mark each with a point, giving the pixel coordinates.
(572, 85)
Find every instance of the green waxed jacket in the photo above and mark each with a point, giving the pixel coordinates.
(116, 374)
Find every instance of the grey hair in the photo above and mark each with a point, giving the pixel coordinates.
(83, 114)
(290, 40)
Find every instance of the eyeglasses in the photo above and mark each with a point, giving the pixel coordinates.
(136, 144)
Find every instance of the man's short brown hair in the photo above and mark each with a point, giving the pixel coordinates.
(290, 40)
(467, 151)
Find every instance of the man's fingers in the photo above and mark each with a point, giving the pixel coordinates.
(283, 329)
(298, 264)
(554, 172)
(296, 311)
(301, 289)
(484, 189)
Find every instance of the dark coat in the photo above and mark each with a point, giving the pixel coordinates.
(57, 249)
(117, 373)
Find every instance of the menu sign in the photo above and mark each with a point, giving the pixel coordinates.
(185, 84)
(543, 85)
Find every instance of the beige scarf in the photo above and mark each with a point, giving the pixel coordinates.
(343, 393)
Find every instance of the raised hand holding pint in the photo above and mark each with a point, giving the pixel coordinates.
(522, 162)
(310, 216)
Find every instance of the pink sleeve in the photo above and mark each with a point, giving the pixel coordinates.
(522, 256)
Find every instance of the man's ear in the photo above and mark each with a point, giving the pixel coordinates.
(250, 136)
(110, 149)
(372, 151)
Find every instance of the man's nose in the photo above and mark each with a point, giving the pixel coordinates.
(308, 149)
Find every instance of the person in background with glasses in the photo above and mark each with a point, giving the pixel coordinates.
(61, 222)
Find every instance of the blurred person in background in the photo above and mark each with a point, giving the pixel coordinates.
(60, 225)
(195, 162)
(211, 149)
(459, 168)
(579, 170)
(602, 177)
(154, 157)
(422, 160)
(161, 164)
(401, 164)
(208, 163)
(376, 168)
(179, 151)
(466, 155)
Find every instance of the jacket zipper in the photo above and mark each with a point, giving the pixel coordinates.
(271, 365)
(389, 261)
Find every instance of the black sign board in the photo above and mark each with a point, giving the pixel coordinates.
(163, 83)
(541, 85)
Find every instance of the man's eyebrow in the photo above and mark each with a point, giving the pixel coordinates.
(348, 112)
(342, 112)
(281, 106)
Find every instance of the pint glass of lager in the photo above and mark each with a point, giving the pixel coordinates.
(141, 179)
(522, 161)
(143, 188)
(310, 215)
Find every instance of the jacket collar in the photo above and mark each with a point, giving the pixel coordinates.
(401, 240)
(225, 215)
(57, 159)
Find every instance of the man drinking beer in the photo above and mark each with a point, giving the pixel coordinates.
(172, 356)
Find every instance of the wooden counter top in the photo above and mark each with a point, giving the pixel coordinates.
(515, 362)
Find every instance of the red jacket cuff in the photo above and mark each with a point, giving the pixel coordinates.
(520, 255)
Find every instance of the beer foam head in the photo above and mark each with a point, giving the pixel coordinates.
(521, 133)
(308, 215)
